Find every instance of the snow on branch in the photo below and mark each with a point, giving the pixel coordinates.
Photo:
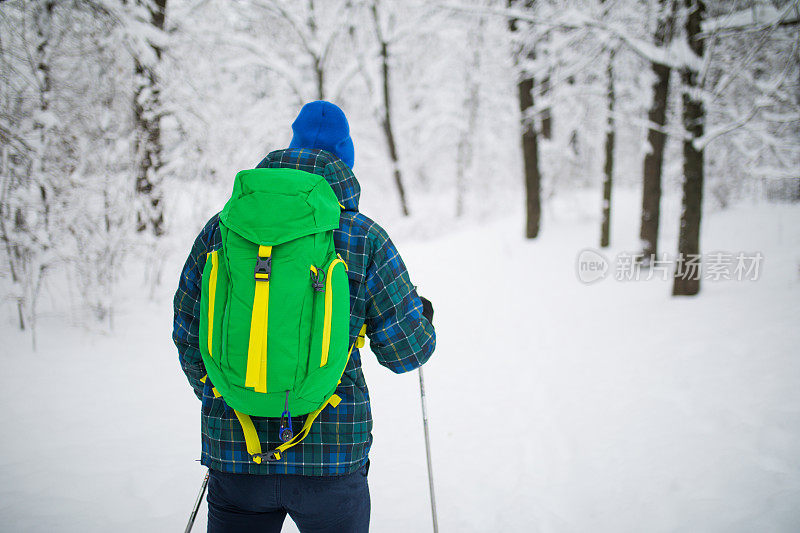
(759, 17)
(677, 55)
(271, 63)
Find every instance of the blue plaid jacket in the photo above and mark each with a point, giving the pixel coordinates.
(381, 295)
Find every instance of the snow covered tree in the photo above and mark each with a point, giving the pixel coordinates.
(399, 51)
(740, 104)
(752, 101)
(693, 157)
(524, 50)
(311, 33)
(386, 99)
(317, 63)
(608, 166)
(31, 191)
(656, 136)
(147, 31)
(64, 153)
(104, 222)
(471, 105)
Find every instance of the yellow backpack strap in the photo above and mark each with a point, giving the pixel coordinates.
(254, 446)
(256, 374)
(360, 339)
(359, 342)
(251, 436)
(213, 389)
(212, 293)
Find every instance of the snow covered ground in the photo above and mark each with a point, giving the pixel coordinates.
(554, 406)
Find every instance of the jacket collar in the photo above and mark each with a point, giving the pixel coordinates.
(323, 163)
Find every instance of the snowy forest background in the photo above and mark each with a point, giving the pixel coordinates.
(502, 135)
(114, 112)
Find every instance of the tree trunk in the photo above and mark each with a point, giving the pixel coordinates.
(547, 113)
(693, 122)
(319, 72)
(386, 120)
(530, 146)
(608, 167)
(12, 251)
(530, 154)
(656, 139)
(147, 123)
(471, 105)
(44, 18)
(29, 256)
(317, 60)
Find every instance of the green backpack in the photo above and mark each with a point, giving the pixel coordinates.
(275, 303)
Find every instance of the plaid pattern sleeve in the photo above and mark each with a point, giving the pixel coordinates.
(401, 338)
(186, 305)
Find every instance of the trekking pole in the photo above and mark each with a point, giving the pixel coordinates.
(197, 503)
(428, 449)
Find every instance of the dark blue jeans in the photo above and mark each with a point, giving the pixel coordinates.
(241, 503)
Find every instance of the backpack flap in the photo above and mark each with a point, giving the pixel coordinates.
(270, 206)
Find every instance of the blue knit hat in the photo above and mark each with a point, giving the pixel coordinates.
(322, 125)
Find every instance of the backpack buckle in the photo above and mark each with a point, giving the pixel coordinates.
(263, 268)
(270, 456)
(316, 284)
